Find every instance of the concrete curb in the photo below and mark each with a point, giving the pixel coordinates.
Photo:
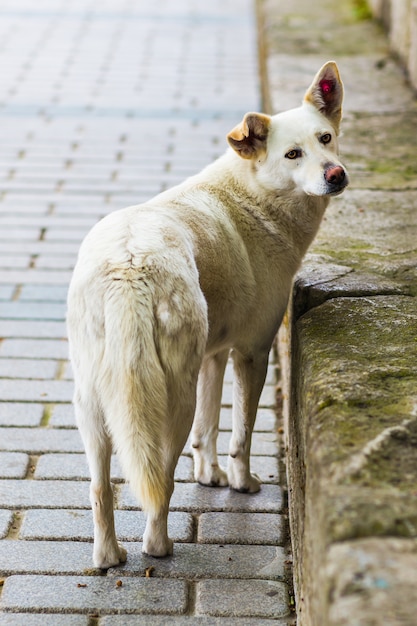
(348, 347)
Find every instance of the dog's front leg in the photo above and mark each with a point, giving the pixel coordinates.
(249, 379)
(206, 421)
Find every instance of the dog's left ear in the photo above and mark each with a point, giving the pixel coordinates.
(326, 93)
(248, 139)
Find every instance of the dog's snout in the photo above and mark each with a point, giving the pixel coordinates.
(335, 175)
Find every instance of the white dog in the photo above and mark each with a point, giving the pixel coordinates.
(163, 292)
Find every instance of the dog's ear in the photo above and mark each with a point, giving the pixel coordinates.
(248, 139)
(326, 93)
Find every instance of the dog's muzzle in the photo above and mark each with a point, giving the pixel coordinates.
(336, 178)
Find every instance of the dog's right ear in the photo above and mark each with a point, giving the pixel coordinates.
(248, 139)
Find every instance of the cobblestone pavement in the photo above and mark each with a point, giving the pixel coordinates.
(104, 103)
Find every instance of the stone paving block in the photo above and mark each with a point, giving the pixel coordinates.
(5, 521)
(195, 498)
(36, 348)
(77, 525)
(271, 374)
(63, 416)
(43, 493)
(33, 310)
(267, 399)
(75, 467)
(36, 390)
(13, 464)
(186, 620)
(33, 619)
(20, 414)
(44, 557)
(37, 277)
(25, 330)
(199, 561)
(263, 444)
(99, 595)
(44, 293)
(15, 261)
(241, 528)
(40, 247)
(48, 293)
(54, 262)
(6, 292)
(266, 420)
(40, 440)
(238, 598)
(61, 466)
(266, 467)
(26, 368)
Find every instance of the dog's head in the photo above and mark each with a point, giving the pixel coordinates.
(298, 150)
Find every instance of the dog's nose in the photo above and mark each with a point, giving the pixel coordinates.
(335, 175)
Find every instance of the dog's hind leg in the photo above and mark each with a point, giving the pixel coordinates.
(107, 551)
(206, 422)
(249, 378)
(181, 403)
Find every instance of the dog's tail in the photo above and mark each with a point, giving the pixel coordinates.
(134, 392)
(148, 350)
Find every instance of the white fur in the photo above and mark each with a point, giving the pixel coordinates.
(163, 292)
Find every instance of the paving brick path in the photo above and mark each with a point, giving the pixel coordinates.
(104, 103)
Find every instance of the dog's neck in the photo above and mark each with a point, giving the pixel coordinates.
(297, 214)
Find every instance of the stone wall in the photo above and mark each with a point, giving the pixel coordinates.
(349, 345)
(400, 20)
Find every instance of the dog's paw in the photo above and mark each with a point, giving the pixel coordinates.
(158, 549)
(106, 556)
(213, 476)
(247, 483)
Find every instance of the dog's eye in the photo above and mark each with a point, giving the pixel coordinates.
(326, 138)
(293, 154)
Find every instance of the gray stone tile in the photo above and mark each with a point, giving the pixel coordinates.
(95, 594)
(48, 293)
(36, 390)
(263, 444)
(187, 620)
(36, 348)
(20, 414)
(195, 498)
(43, 330)
(27, 368)
(33, 619)
(197, 561)
(242, 598)
(36, 277)
(13, 464)
(5, 521)
(6, 292)
(77, 525)
(265, 420)
(266, 467)
(40, 440)
(62, 466)
(63, 416)
(267, 398)
(75, 467)
(34, 310)
(43, 493)
(271, 375)
(44, 557)
(240, 528)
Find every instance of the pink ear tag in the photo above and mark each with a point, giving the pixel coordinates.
(326, 86)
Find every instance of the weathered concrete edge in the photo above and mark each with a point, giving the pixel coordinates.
(352, 535)
(400, 20)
